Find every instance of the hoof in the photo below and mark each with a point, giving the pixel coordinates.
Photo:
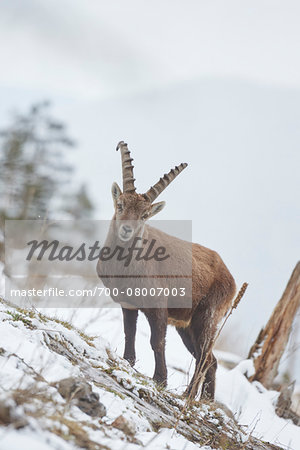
(160, 381)
(130, 359)
(190, 392)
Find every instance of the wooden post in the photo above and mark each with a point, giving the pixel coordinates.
(272, 340)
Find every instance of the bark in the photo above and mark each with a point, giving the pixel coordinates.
(272, 340)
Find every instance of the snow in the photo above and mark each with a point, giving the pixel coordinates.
(28, 352)
(246, 367)
(28, 439)
(251, 404)
(2, 279)
(154, 441)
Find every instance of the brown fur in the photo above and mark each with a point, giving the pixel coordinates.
(212, 286)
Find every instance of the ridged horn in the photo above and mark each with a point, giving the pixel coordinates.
(127, 168)
(163, 182)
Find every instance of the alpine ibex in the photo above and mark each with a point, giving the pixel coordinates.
(212, 286)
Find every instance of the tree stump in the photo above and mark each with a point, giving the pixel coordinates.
(272, 340)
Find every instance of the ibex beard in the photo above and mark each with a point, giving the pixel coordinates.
(212, 286)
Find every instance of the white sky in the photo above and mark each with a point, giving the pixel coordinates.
(88, 49)
(214, 83)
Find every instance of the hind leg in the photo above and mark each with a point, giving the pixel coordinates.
(206, 363)
(189, 342)
(198, 377)
(186, 339)
(205, 373)
(208, 386)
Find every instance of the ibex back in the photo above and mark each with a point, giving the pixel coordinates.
(213, 287)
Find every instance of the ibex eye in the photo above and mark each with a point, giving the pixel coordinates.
(144, 216)
(120, 208)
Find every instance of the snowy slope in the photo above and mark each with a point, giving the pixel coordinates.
(37, 352)
(251, 404)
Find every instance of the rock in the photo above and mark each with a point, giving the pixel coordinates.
(80, 393)
(124, 425)
(226, 410)
(284, 403)
(8, 417)
(5, 414)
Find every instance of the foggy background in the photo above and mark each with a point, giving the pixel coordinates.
(211, 83)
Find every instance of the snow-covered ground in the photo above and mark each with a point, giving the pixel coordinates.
(251, 404)
(29, 362)
(38, 352)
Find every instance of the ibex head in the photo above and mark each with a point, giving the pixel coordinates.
(132, 209)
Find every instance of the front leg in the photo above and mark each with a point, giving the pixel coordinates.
(158, 320)
(129, 320)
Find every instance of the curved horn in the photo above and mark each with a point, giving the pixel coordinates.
(163, 182)
(127, 168)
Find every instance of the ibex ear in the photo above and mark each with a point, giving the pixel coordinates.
(116, 192)
(156, 208)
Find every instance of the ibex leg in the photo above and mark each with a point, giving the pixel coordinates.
(129, 320)
(208, 386)
(158, 319)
